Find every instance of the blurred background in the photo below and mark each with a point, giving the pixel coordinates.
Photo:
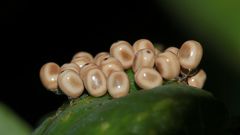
(36, 32)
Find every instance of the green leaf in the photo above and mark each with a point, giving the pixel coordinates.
(170, 109)
(133, 85)
(11, 124)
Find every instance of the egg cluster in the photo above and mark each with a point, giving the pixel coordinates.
(106, 71)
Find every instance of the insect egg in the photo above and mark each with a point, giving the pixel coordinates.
(142, 44)
(118, 84)
(48, 76)
(143, 58)
(168, 65)
(198, 80)
(190, 54)
(70, 83)
(123, 52)
(148, 78)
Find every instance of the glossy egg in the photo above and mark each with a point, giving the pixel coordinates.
(143, 58)
(123, 52)
(148, 78)
(109, 65)
(143, 44)
(70, 83)
(118, 84)
(190, 54)
(168, 65)
(48, 76)
(198, 80)
(95, 82)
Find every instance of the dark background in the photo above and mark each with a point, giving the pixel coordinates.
(41, 31)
